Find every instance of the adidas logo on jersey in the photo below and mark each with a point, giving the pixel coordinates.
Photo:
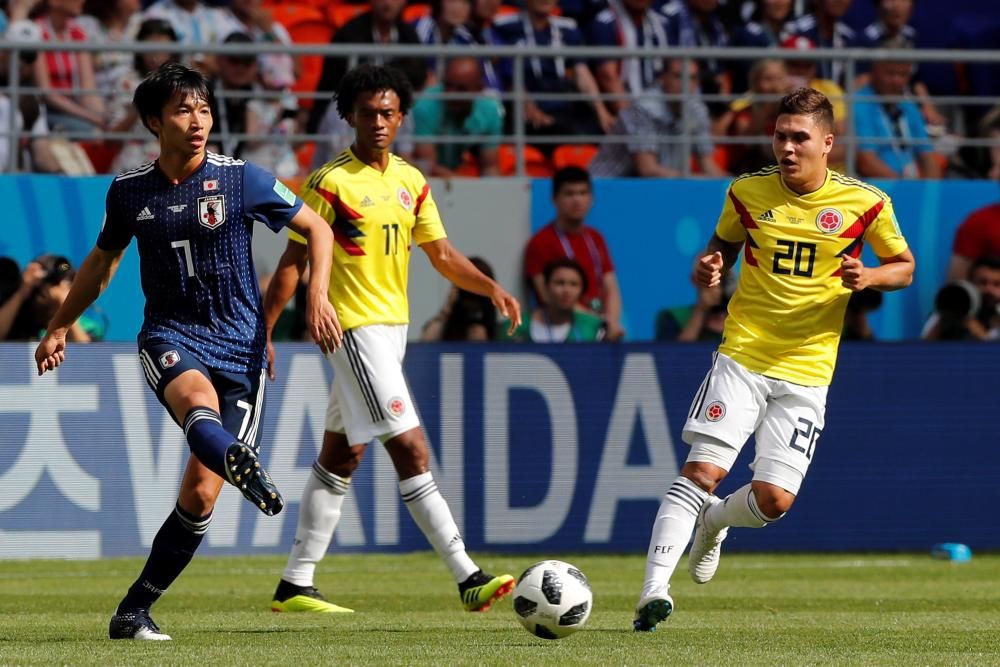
(144, 214)
(766, 216)
(367, 201)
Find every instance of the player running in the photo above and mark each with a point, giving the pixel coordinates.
(379, 206)
(801, 228)
(202, 343)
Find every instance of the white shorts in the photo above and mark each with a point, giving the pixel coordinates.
(370, 398)
(733, 403)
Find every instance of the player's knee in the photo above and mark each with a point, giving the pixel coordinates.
(345, 461)
(409, 453)
(200, 499)
(706, 475)
(773, 501)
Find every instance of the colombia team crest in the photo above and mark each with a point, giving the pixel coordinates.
(829, 221)
(212, 211)
(715, 411)
(405, 198)
(396, 406)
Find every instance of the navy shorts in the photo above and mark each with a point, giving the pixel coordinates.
(241, 395)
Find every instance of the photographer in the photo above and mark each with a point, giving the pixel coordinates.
(464, 316)
(860, 305)
(45, 283)
(968, 309)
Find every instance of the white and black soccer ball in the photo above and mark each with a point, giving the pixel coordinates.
(552, 599)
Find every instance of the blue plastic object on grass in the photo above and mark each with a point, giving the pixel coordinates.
(953, 551)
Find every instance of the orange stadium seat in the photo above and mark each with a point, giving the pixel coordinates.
(305, 25)
(573, 155)
(338, 15)
(413, 12)
(721, 157)
(504, 10)
(535, 163)
(469, 167)
(304, 154)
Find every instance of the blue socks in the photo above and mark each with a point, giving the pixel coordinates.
(207, 438)
(172, 550)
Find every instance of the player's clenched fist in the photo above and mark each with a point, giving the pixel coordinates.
(853, 274)
(708, 270)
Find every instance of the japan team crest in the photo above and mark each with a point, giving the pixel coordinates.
(715, 411)
(212, 211)
(829, 221)
(396, 406)
(405, 198)
(169, 359)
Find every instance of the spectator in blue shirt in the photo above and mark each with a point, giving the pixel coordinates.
(538, 26)
(771, 25)
(827, 30)
(444, 25)
(893, 23)
(692, 23)
(906, 151)
(632, 24)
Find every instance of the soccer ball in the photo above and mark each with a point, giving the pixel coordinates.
(552, 599)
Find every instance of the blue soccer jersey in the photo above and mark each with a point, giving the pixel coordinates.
(195, 257)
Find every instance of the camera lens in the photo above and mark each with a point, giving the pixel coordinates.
(957, 300)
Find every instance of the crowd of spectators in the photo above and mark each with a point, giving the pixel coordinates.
(631, 101)
(656, 127)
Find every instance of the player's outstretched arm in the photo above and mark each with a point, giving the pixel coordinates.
(281, 288)
(893, 273)
(321, 318)
(457, 268)
(93, 277)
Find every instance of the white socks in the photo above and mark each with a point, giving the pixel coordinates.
(739, 509)
(429, 509)
(319, 513)
(671, 533)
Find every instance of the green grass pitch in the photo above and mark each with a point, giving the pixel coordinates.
(761, 609)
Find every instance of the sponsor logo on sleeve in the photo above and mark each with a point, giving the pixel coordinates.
(282, 191)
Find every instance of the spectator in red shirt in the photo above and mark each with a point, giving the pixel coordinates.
(569, 236)
(979, 234)
(58, 72)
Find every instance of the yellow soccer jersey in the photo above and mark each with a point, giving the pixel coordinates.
(787, 314)
(376, 219)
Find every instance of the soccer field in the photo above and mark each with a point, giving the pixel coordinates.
(762, 609)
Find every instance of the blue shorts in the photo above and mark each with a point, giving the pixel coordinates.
(241, 395)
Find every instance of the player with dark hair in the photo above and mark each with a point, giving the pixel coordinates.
(379, 207)
(202, 344)
(801, 227)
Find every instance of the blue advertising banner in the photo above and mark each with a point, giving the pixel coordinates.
(536, 448)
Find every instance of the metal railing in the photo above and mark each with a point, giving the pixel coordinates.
(517, 96)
